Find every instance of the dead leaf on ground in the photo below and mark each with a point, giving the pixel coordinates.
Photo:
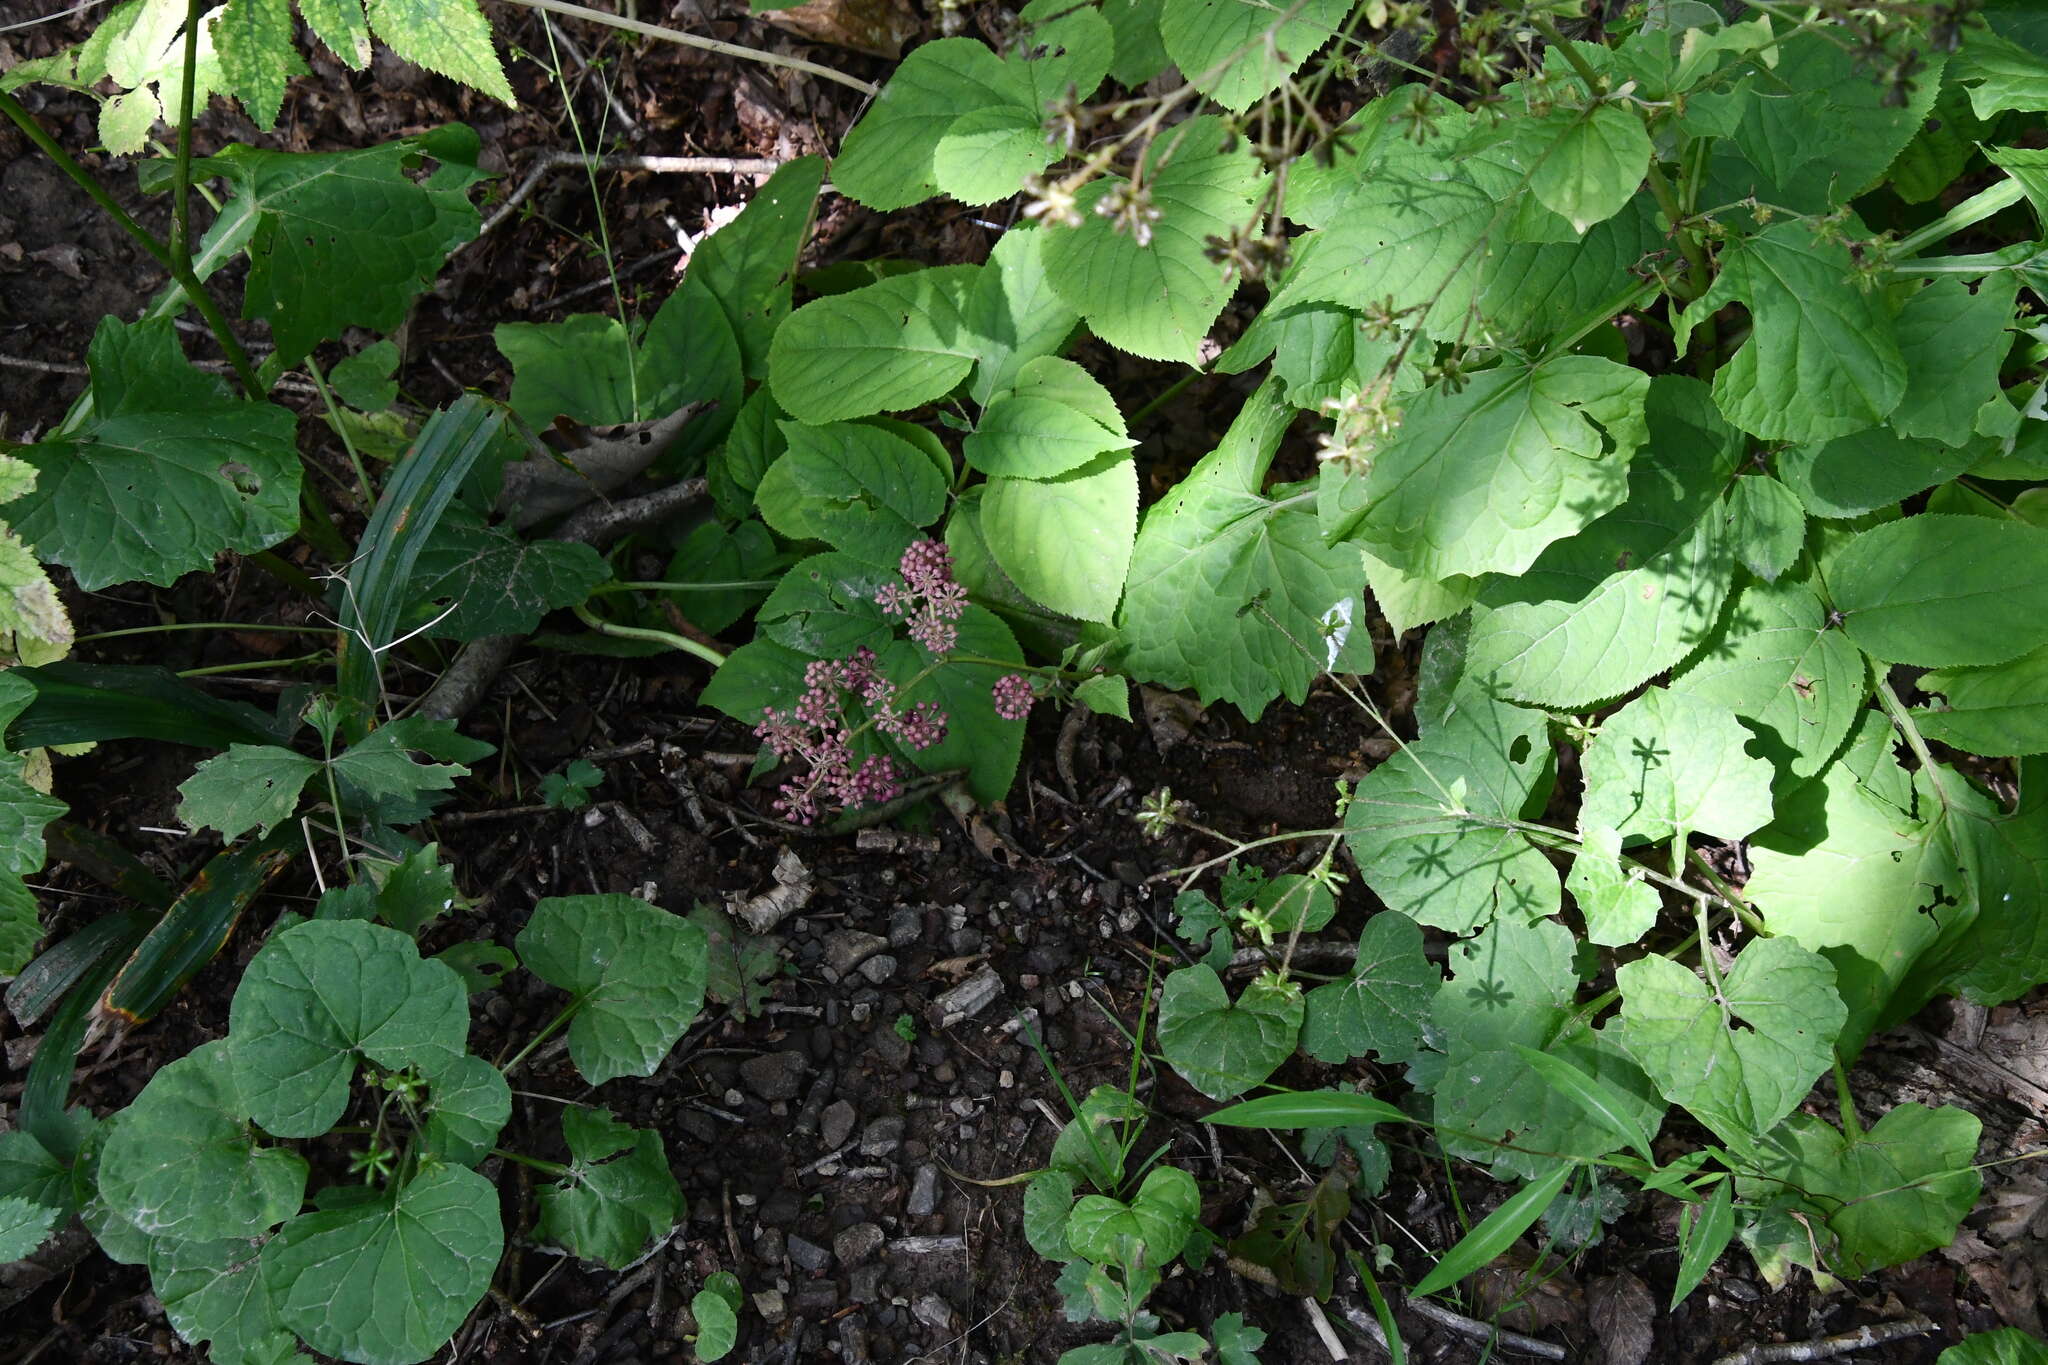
(876, 27)
(1621, 1312)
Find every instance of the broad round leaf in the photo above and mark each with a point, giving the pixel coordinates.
(1668, 765)
(1066, 541)
(1224, 1048)
(636, 971)
(1944, 591)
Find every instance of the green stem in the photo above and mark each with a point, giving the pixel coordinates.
(1975, 209)
(736, 585)
(181, 179)
(1541, 23)
(553, 1168)
(363, 488)
(659, 637)
(553, 1026)
(1902, 721)
(204, 625)
(1734, 899)
(1165, 396)
(255, 665)
(1707, 962)
(180, 270)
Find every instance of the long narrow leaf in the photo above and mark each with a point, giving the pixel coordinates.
(1496, 1232)
(197, 924)
(1600, 1100)
(1703, 1234)
(49, 1074)
(44, 981)
(1310, 1109)
(76, 703)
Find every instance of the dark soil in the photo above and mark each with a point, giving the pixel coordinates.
(847, 1146)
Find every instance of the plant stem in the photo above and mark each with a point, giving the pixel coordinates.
(659, 637)
(1975, 209)
(752, 54)
(1541, 23)
(180, 270)
(1895, 711)
(553, 1168)
(181, 180)
(203, 625)
(1165, 395)
(255, 664)
(548, 1031)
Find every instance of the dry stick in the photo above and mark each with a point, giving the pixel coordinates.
(658, 165)
(619, 110)
(752, 54)
(463, 684)
(1827, 1348)
(1471, 1327)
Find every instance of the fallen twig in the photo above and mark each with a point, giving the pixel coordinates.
(1486, 1331)
(551, 162)
(1827, 1348)
(752, 54)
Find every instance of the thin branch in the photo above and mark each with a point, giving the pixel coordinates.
(659, 165)
(752, 54)
(1827, 1348)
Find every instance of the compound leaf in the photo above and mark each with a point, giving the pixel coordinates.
(636, 972)
(450, 37)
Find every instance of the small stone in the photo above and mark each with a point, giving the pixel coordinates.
(768, 1303)
(846, 949)
(864, 1283)
(1006, 1079)
(969, 998)
(882, 1137)
(924, 1192)
(934, 1312)
(856, 1244)
(734, 1099)
(808, 1255)
(816, 1299)
(891, 1047)
(879, 968)
(906, 927)
(853, 1342)
(770, 1246)
(837, 1125)
(944, 1073)
(775, 1075)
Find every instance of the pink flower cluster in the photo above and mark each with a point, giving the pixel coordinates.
(929, 599)
(818, 732)
(1013, 696)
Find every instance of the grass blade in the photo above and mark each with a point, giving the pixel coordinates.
(1496, 1232)
(1309, 1109)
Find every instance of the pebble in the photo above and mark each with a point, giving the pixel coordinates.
(768, 1303)
(890, 1047)
(906, 927)
(770, 1246)
(879, 968)
(808, 1255)
(934, 1312)
(853, 1342)
(837, 1125)
(857, 1243)
(969, 998)
(882, 1137)
(864, 1284)
(846, 949)
(775, 1075)
(816, 1299)
(924, 1192)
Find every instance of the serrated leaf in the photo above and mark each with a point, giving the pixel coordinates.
(1897, 1190)
(855, 486)
(494, 582)
(1742, 1059)
(609, 1206)
(1228, 590)
(885, 347)
(1408, 601)
(251, 786)
(1224, 1047)
(1481, 480)
(1382, 1005)
(382, 770)
(1669, 765)
(1066, 540)
(168, 472)
(468, 1104)
(582, 367)
(1999, 712)
(24, 813)
(1022, 435)
(388, 1282)
(1582, 164)
(183, 1164)
(1868, 470)
(1818, 128)
(213, 1292)
(1767, 524)
(1158, 1219)
(1944, 591)
(450, 37)
(23, 1226)
(1618, 906)
(1158, 298)
(1428, 825)
(1954, 340)
(636, 973)
(325, 993)
(343, 239)
(1105, 696)
(1237, 53)
(2000, 74)
(987, 153)
(253, 40)
(887, 159)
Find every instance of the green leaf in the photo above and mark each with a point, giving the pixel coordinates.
(1066, 540)
(389, 1281)
(23, 1226)
(1408, 601)
(1619, 907)
(716, 1308)
(987, 153)
(747, 265)
(1897, 1190)
(1821, 360)
(1816, 125)
(24, 812)
(2006, 1346)
(1774, 662)
(251, 786)
(825, 607)
(1090, 1146)
(1428, 826)
(1017, 318)
(1158, 1219)
(325, 993)
(1990, 949)
(1105, 696)
(1582, 164)
(253, 39)
(183, 1165)
(977, 739)
(446, 36)
(1383, 1005)
(887, 160)
(1868, 470)
(1309, 1109)
(2000, 74)
(1737, 1078)
(1224, 1048)
(855, 486)
(1669, 765)
(1512, 984)
(1048, 1199)
(1496, 1232)
(469, 1103)
(1594, 1097)
(382, 772)
(1944, 591)
(1703, 1233)
(891, 345)
(475, 580)
(167, 473)
(1237, 53)
(344, 239)
(1029, 436)
(608, 1207)
(214, 1292)
(582, 368)
(364, 380)
(1228, 589)
(1481, 480)
(1158, 298)
(1768, 524)
(1954, 340)
(636, 973)
(1998, 712)
(1236, 1344)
